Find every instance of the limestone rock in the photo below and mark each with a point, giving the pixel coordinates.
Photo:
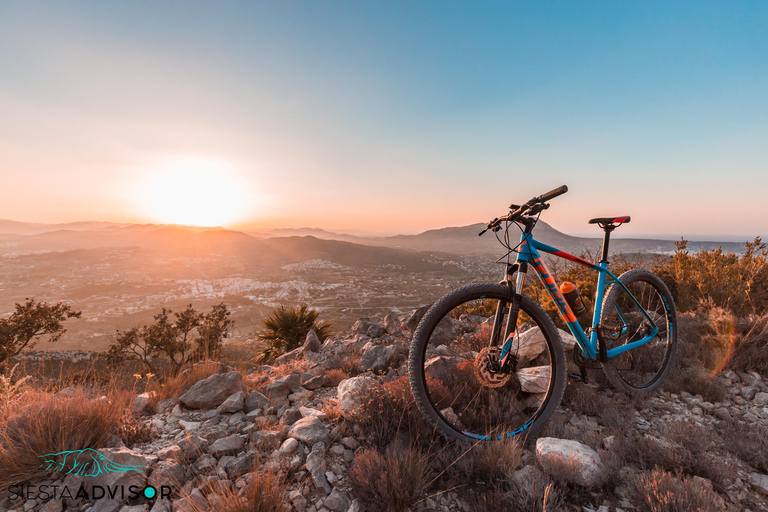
(309, 430)
(351, 393)
(211, 392)
(581, 462)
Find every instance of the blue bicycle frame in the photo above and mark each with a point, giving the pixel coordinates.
(528, 254)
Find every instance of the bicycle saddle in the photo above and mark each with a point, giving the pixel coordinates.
(610, 220)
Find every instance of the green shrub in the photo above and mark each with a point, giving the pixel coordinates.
(287, 328)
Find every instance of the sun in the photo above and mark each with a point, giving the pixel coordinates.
(193, 191)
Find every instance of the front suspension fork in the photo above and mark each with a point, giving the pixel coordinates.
(514, 311)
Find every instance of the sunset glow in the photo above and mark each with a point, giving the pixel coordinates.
(192, 191)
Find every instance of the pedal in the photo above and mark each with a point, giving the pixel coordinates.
(610, 330)
(581, 376)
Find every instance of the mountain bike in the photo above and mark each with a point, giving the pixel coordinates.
(487, 362)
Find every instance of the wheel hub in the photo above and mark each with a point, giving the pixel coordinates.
(488, 368)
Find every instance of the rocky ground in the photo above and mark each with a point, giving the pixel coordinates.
(297, 418)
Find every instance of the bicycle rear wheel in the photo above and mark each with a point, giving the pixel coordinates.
(641, 369)
(455, 371)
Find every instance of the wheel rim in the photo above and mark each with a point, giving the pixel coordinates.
(459, 377)
(643, 366)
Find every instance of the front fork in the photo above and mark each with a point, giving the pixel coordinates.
(514, 310)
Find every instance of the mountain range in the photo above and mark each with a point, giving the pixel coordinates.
(280, 247)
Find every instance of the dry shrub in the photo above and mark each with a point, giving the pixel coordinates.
(390, 409)
(392, 482)
(265, 492)
(335, 377)
(41, 423)
(332, 411)
(684, 448)
(613, 412)
(498, 457)
(697, 382)
(747, 442)
(541, 497)
(661, 491)
(131, 430)
(351, 365)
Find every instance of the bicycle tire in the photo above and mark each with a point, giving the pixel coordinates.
(609, 304)
(417, 356)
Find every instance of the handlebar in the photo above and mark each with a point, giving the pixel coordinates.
(519, 211)
(553, 193)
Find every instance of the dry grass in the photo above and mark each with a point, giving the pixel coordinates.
(335, 376)
(392, 482)
(747, 442)
(132, 430)
(613, 412)
(40, 423)
(387, 410)
(351, 365)
(497, 459)
(265, 492)
(541, 497)
(661, 491)
(683, 448)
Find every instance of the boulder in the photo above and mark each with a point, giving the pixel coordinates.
(441, 368)
(760, 482)
(312, 382)
(255, 400)
(379, 358)
(233, 403)
(141, 405)
(193, 446)
(167, 472)
(337, 502)
(312, 342)
(164, 406)
(283, 385)
(375, 331)
(211, 392)
(534, 379)
(352, 392)
(393, 324)
(173, 452)
(309, 430)
(266, 440)
(316, 468)
(413, 321)
(289, 357)
(361, 326)
(576, 462)
(229, 445)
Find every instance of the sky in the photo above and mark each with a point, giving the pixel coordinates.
(386, 116)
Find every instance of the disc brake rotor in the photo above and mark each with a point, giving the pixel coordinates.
(488, 378)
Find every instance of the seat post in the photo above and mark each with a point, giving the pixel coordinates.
(606, 240)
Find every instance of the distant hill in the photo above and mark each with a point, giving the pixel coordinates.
(177, 241)
(465, 241)
(281, 246)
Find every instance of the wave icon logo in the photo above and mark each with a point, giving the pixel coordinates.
(86, 462)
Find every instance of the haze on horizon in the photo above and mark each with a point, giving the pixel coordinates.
(392, 117)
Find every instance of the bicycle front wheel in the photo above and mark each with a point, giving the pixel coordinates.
(641, 369)
(460, 382)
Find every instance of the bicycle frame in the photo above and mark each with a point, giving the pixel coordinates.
(529, 254)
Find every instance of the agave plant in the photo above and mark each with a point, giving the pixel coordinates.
(287, 328)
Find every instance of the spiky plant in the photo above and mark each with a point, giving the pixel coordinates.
(287, 328)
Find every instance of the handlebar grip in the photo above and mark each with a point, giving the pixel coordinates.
(553, 193)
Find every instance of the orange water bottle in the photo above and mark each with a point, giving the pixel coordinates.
(572, 296)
